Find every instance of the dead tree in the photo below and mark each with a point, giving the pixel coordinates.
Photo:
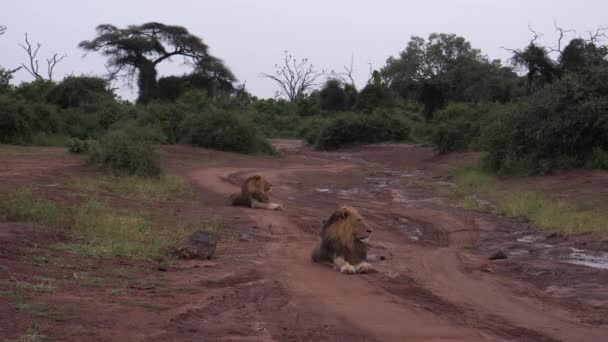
(294, 77)
(33, 67)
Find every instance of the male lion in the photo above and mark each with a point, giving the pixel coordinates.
(344, 241)
(254, 194)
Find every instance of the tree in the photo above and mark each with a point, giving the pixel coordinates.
(33, 68)
(294, 77)
(2, 29)
(333, 96)
(579, 54)
(138, 49)
(440, 69)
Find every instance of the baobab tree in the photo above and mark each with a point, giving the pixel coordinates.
(139, 49)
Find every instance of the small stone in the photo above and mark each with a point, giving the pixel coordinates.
(499, 255)
(200, 245)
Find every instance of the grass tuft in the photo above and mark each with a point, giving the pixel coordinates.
(164, 188)
(475, 186)
(24, 206)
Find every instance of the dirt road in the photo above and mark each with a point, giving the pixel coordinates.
(431, 286)
(434, 279)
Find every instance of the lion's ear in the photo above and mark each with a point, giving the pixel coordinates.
(344, 213)
(257, 177)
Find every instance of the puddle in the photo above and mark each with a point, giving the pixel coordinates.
(599, 261)
(529, 238)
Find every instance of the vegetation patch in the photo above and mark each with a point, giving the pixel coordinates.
(477, 189)
(24, 206)
(164, 188)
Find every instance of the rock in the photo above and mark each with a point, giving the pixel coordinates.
(499, 255)
(200, 245)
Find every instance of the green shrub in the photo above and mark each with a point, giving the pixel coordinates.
(16, 120)
(458, 127)
(559, 127)
(350, 129)
(333, 96)
(599, 159)
(311, 129)
(167, 117)
(77, 146)
(127, 150)
(75, 91)
(225, 131)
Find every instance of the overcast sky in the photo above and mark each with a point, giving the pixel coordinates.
(251, 35)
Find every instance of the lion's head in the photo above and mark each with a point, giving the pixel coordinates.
(348, 228)
(258, 184)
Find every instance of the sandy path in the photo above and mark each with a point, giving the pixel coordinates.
(465, 305)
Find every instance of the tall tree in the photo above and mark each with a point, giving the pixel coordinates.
(138, 49)
(442, 68)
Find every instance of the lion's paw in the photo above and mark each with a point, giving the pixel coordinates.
(348, 269)
(278, 207)
(364, 267)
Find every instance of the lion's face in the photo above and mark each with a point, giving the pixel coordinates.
(360, 230)
(348, 227)
(258, 184)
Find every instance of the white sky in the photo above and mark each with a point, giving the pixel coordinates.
(250, 36)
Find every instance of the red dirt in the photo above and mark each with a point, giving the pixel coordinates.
(435, 283)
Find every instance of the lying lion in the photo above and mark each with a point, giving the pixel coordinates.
(254, 194)
(344, 240)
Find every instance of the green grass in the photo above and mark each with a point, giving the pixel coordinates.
(20, 296)
(133, 303)
(44, 286)
(474, 186)
(24, 206)
(107, 232)
(32, 334)
(166, 187)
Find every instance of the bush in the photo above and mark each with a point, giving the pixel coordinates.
(350, 129)
(458, 127)
(127, 150)
(559, 127)
(16, 120)
(333, 96)
(167, 117)
(77, 146)
(599, 159)
(311, 129)
(224, 131)
(74, 91)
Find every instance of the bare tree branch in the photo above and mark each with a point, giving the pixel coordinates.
(371, 73)
(562, 33)
(33, 68)
(2, 29)
(32, 53)
(347, 75)
(597, 35)
(294, 77)
(51, 63)
(535, 35)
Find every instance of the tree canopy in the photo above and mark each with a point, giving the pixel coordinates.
(138, 49)
(445, 67)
